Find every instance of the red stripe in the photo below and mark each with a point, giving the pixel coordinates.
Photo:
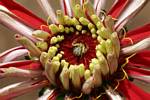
(116, 10)
(25, 15)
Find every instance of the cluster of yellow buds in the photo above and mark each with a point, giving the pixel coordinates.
(107, 50)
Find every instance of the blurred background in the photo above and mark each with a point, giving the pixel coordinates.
(7, 41)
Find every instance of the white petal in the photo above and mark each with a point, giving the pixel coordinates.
(21, 88)
(113, 95)
(144, 44)
(16, 72)
(100, 6)
(11, 21)
(15, 55)
(96, 3)
(9, 50)
(45, 5)
(47, 93)
(132, 9)
(142, 78)
(68, 6)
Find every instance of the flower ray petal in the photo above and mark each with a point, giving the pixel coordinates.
(25, 64)
(65, 4)
(118, 7)
(45, 5)
(141, 59)
(16, 25)
(25, 15)
(17, 72)
(21, 88)
(136, 35)
(133, 8)
(138, 73)
(132, 92)
(14, 55)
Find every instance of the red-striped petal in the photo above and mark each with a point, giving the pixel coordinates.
(136, 35)
(138, 73)
(9, 51)
(141, 59)
(50, 95)
(132, 92)
(25, 64)
(14, 55)
(134, 7)
(65, 4)
(25, 15)
(21, 88)
(118, 7)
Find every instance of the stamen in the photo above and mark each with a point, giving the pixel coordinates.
(77, 97)
(99, 96)
(127, 60)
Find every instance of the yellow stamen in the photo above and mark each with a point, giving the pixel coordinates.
(48, 20)
(127, 60)
(127, 38)
(41, 27)
(99, 96)
(77, 97)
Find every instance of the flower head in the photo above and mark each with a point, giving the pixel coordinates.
(82, 54)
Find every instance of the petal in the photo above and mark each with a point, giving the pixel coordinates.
(140, 46)
(17, 72)
(10, 50)
(141, 59)
(49, 95)
(136, 35)
(138, 73)
(25, 64)
(134, 7)
(12, 22)
(132, 92)
(21, 88)
(113, 95)
(25, 15)
(14, 55)
(65, 4)
(100, 6)
(45, 5)
(118, 7)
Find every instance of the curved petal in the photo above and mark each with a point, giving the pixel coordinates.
(17, 72)
(25, 64)
(141, 59)
(45, 5)
(142, 45)
(133, 8)
(10, 50)
(25, 15)
(49, 95)
(136, 35)
(138, 73)
(16, 54)
(21, 88)
(100, 6)
(65, 4)
(14, 24)
(118, 7)
(132, 92)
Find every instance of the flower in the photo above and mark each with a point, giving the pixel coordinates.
(79, 55)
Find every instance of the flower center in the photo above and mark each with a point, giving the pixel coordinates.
(79, 49)
(82, 53)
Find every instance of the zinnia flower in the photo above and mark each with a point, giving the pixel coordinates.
(84, 53)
